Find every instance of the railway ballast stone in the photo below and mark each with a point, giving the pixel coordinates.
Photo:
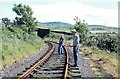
(20, 65)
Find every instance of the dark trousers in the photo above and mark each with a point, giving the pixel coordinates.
(60, 49)
(75, 54)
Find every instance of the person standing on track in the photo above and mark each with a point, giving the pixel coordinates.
(60, 45)
(75, 47)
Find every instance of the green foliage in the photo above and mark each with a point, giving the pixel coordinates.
(118, 43)
(16, 44)
(56, 36)
(81, 28)
(24, 17)
(55, 27)
(104, 42)
(6, 21)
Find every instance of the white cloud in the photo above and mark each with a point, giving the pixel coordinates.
(66, 11)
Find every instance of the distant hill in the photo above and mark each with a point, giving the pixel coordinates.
(57, 23)
(100, 26)
(90, 27)
(68, 24)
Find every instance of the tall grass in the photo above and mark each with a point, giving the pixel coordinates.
(0, 46)
(16, 45)
(111, 64)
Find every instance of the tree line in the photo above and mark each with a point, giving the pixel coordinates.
(24, 18)
(103, 41)
(25, 21)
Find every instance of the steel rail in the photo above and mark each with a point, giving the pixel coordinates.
(66, 63)
(49, 52)
(25, 74)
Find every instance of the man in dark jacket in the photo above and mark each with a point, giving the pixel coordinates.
(60, 45)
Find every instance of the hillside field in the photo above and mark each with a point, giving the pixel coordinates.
(92, 28)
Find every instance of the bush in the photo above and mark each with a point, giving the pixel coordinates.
(17, 44)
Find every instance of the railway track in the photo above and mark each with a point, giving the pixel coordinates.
(50, 65)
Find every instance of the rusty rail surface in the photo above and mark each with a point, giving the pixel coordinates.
(45, 57)
(66, 63)
(50, 51)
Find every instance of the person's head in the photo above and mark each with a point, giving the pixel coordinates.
(73, 31)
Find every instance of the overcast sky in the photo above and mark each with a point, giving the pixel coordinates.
(101, 12)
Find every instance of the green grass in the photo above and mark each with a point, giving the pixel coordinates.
(55, 37)
(0, 46)
(110, 29)
(55, 27)
(68, 28)
(111, 64)
(15, 45)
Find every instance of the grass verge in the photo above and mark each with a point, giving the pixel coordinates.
(101, 60)
(16, 45)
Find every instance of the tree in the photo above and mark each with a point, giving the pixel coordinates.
(6, 21)
(24, 17)
(81, 28)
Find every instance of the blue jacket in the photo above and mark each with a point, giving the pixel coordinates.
(61, 40)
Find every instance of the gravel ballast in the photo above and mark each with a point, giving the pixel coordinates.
(84, 66)
(18, 66)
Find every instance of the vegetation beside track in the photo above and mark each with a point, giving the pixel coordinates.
(18, 38)
(19, 41)
(16, 45)
(108, 61)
